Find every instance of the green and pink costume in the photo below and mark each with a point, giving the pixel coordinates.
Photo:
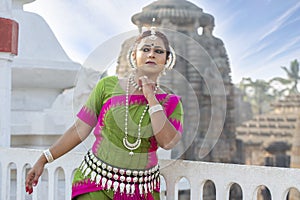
(108, 167)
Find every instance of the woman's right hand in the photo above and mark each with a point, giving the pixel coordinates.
(34, 174)
(71, 138)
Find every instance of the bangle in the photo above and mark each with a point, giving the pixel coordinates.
(48, 155)
(155, 108)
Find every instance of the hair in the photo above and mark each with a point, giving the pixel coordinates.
(158, 34)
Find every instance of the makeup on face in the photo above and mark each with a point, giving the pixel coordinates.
(148, 47)
(149, 52)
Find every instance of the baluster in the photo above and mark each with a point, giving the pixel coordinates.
(249, 192)
(68, 182)
(20, 182)
(196, 190)
(52, 183)
(222, 192)
(4, 180)
(172, 187)
(277, 193)
(36, 189)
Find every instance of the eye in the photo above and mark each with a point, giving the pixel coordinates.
(145, 49)
(159, 51)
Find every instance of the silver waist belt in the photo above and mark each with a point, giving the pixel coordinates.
(110, 177)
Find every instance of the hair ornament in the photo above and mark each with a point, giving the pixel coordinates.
(152, 29)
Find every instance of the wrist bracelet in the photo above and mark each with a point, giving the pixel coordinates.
(48, 155)
(155, 108)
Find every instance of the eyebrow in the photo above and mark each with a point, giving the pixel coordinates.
(148, 45)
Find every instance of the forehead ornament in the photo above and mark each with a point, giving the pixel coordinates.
(152, 29)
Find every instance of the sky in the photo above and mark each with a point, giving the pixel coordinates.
(260, 36)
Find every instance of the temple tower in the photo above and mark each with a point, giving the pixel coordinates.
(200, 56)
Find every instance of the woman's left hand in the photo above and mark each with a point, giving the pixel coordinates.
(148, 87)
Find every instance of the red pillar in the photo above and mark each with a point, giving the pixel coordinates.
(8, 49)
(9, 36)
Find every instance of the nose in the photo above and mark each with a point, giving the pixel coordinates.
(151, 53)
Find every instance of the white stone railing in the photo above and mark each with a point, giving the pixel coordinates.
(14, 162)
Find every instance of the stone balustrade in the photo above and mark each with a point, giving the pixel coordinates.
(56, 180)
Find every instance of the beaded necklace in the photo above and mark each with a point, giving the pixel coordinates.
(128, 145)
(134, 84)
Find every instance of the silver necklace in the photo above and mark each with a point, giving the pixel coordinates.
(134, 84)
(137, 86)
(128, 145)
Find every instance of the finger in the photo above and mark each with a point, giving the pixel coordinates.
(28, 187)
(143, 78)
(146, 81)
(140, 82)
(149, 81)
(29, 178)
(35, 180)
(150, 85)
(30, 191)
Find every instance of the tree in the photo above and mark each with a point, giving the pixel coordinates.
(257, 93)
(260, 94)
(293, 77)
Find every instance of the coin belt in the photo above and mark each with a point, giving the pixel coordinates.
(118, 179)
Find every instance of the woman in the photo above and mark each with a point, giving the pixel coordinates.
(132, 117)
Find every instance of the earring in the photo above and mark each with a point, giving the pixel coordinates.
(171, 59)
(131, 61)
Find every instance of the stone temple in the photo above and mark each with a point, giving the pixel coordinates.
(206, 88)
(272, 138)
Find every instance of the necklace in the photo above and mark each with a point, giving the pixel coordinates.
(134, 84)
(128, 145)
(137, 86)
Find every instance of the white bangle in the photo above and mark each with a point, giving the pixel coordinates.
(155, 108)
(48, 155)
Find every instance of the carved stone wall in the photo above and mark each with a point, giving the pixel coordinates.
(280, 126)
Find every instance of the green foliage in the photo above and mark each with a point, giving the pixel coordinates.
(258, 93)
(293, 76)
(262, 93)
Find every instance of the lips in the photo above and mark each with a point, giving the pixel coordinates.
(150, 63)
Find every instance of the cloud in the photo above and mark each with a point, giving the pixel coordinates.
(256, 41)
(286, 47)
(252, 45)
(277, 23)
(80, 27)
(257, 54)
(222, 25)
